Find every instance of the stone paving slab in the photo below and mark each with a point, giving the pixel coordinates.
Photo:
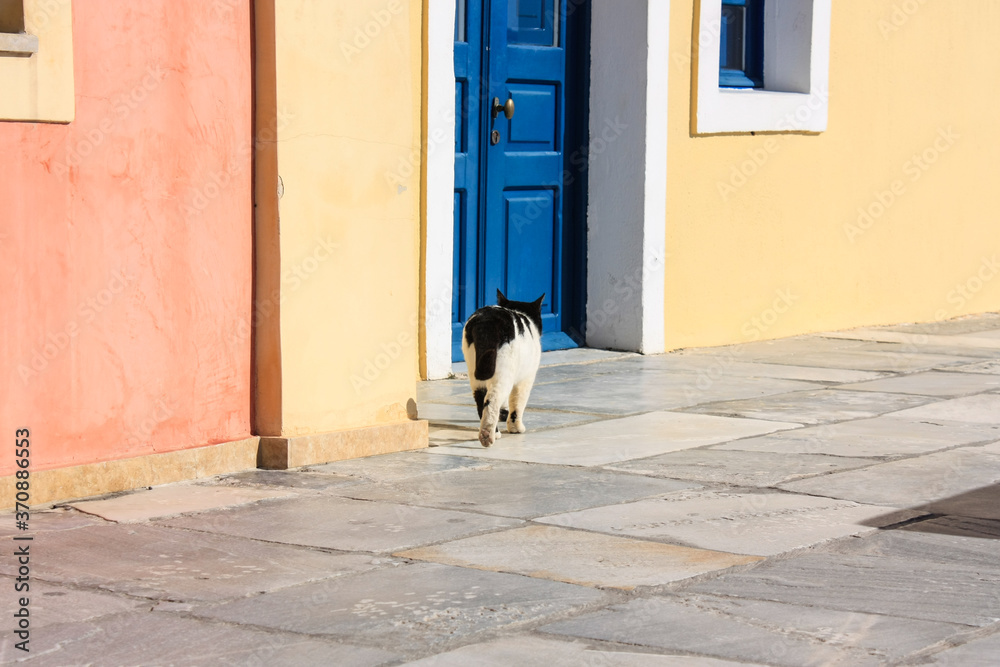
(399, 465)
(52, 604)
(932, 383)
(578, 557)
(954, 327)
(409, 608)
(970, 545)
(768, 633)
(617, 440)
(721, 367)
(769, 350)
(814, 407)
(980, 652)
(874, 358)
(579, 355)
(517, 489)
(888, 584)
(441, 436)
(991, 367)
(993, 333)
(465, 416)
(949, 343)
(167, 564)
(888, 637)
(961, 481)
(156, 638)
(968, 348)
(290, 479)
(885, 436)
(46, 521)
(562, 373)
(528, 650)
(443, 391)
(738, 468)
(171, 500)
(343, 524)
(981, 409)
(761, 524)
(840, 351)
(632, 393)
(958, 526)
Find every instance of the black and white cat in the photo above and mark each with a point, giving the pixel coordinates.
(502, 345)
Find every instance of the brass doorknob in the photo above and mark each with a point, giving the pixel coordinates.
(507, 108)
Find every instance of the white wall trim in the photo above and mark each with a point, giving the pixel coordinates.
(796, 72)
(440, 158)
(655, 222)
(628, 175)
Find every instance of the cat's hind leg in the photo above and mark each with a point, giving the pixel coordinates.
(479, 394)
(489, 429)
(518, 402)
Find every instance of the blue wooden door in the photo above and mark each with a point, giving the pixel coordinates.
(515, 226)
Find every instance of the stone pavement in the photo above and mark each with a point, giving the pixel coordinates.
(820, 500)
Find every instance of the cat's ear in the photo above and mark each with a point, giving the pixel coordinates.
(539, 301)
(501, 299)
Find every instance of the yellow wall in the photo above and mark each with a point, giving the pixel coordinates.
(783, 253)
(347, 109)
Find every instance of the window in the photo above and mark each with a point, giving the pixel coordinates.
(763, 66)
(36, 61)
(741, 44)
(13, 40)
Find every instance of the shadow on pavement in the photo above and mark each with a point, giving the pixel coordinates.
(974, 513)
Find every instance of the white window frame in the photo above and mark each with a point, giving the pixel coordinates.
(795, 96)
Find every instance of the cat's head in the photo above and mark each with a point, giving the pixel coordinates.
(532, 309)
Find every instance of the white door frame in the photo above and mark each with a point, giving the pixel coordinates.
(626, 208)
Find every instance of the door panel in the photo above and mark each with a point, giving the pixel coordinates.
(535, 126)
(533, 22)
(531, 218)
(468, 124)
(529, 69)
(512, 236)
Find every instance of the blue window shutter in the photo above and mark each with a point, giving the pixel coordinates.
(741, 44)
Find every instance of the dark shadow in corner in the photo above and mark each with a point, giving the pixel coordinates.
(974, 513)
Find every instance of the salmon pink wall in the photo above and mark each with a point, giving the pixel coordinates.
(125, 284)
